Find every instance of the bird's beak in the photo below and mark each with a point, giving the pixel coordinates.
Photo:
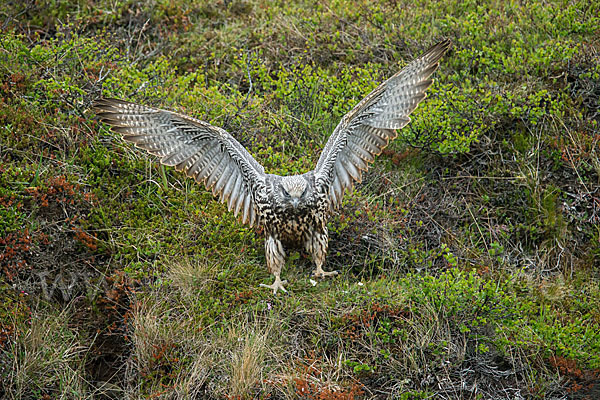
(295, 203)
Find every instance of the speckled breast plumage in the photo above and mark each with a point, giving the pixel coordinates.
(293, 226)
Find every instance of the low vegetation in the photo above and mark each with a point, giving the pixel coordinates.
(469, 257)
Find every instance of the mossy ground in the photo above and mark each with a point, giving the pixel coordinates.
(469, 257)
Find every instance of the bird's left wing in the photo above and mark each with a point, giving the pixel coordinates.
(204, 152)
(365, 131)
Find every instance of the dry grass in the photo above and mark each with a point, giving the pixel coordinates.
(227, 359)
(48, 358)
(248, 358)
(189, 276)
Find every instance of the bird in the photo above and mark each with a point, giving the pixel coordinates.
(291, 210)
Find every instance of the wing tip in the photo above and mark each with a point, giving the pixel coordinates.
(107, 104)
(438, 50)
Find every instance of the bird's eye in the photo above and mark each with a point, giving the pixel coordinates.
(285, 193)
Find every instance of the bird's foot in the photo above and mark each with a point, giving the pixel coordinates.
(319, 273)
(277, 285)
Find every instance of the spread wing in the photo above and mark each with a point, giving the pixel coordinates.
(204, 152)
(365, 131)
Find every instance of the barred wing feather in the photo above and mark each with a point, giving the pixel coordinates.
(204, 152)
(365, 131)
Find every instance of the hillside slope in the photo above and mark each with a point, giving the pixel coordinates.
(469, 256)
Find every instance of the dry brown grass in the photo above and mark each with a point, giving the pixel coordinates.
(229, 359)
(190, 276)
(248, 359)
(47, 358)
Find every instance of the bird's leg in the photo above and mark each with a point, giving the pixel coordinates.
(275, 255)
(277, 285)
(316, 245)
(319, 273)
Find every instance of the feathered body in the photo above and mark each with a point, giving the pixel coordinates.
(290, 209)
(294, 209)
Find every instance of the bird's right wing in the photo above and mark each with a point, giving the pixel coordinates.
(367, 129)
(204, 152)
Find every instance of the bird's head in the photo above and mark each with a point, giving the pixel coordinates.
(293, 191)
